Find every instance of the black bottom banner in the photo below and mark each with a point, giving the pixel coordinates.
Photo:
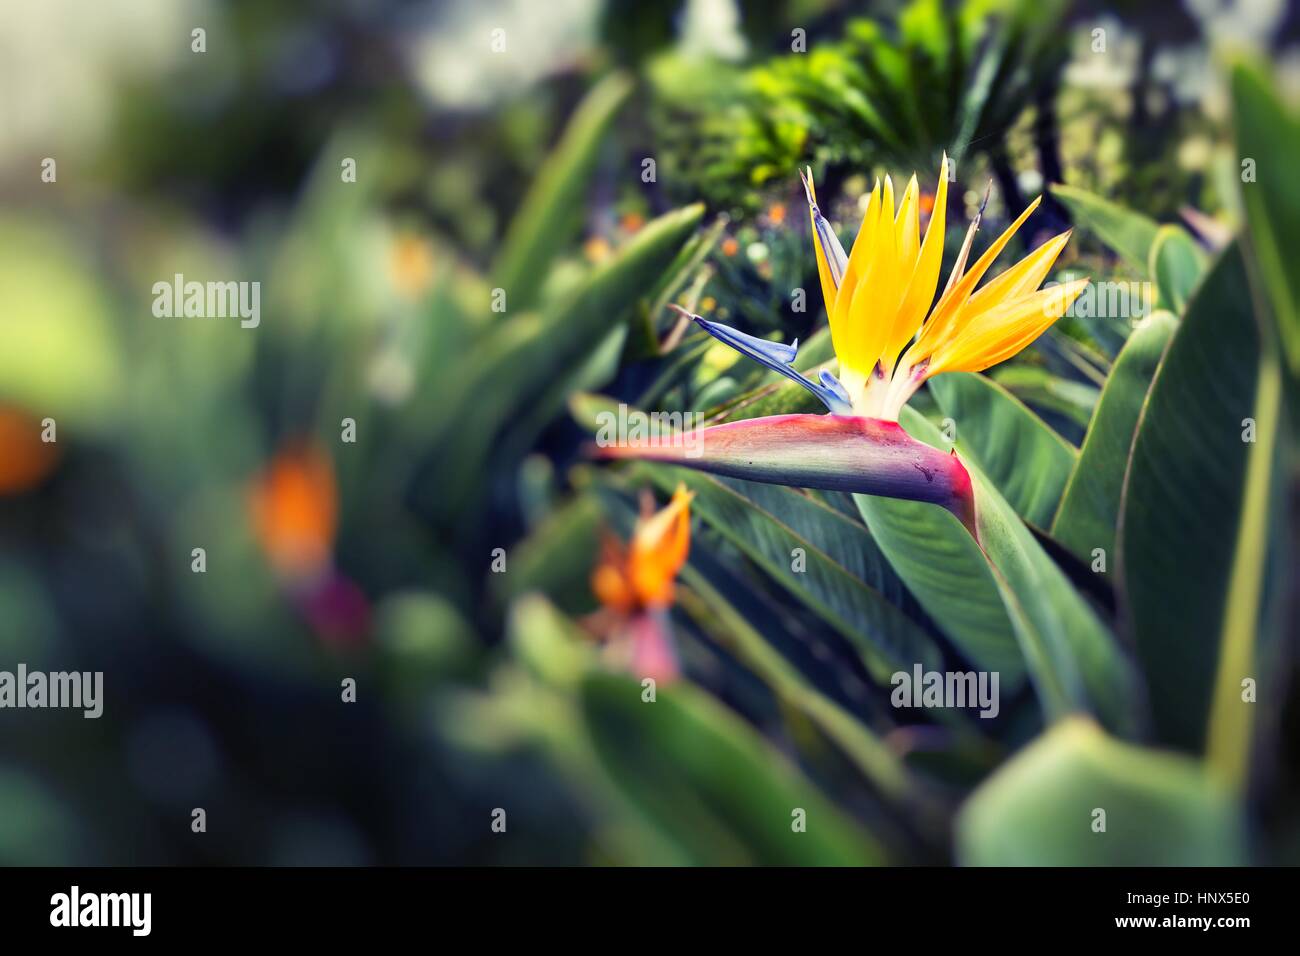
(215, 905)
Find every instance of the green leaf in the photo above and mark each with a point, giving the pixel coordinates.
(1090, 509)
(520, 366)
(549, 645)
(551, 213)
(1128, 233)
(715, 614)
(1072, 657)
(942, 565)
(687, 263)
(1040, 808)
(841, 558)
(704, 776)
(1196, 515)
(1268, 134)
(556, 558)
(1042, 389)
(1067, 651)
(540, 349)
(1027, 461)
(1176, 263)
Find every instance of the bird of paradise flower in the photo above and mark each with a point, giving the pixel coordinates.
(889, 340)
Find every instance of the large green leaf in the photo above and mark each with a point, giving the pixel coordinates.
(1072, 657)
(552, 211)
(1196, 516)
(1090, 509)
(1067, 651)
(942, 565)
(705, 776)
(522, 363)
(1268, 136)
(1041, 808)
(838, 560)
(1129, 233)
(1027, 461)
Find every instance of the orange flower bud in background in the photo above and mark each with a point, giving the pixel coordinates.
(25, 460)
(641, 575)
(294, 507)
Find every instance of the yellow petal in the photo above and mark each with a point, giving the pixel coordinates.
(847, 336)
(875, 300)
(907, 228)
(942, 326)
(925, 276)
(1000, 332)
(1021, 279)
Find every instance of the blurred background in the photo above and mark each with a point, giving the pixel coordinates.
(360, 467)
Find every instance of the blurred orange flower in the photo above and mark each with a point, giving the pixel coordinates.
(730, 246)
(776, 213)
(640, 576)
(25, 459)
(294, 508)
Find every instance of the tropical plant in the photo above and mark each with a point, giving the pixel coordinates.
(1132, 612)
(897, 92)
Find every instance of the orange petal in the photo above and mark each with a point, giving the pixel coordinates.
(25, 459)
(659, 548)
(294, 507)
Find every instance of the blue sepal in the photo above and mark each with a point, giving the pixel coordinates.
(779, 357)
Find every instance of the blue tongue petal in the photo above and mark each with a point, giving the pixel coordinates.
(779, 358)
(834, 387)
